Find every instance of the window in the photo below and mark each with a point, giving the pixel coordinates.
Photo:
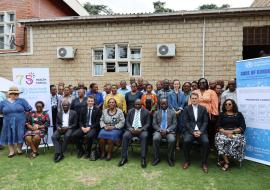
(110, 67)
(116, 58)
(122, 52)
(2, 16)
(7, 30)
(123, 67)
(1, 42)
(136, 69)
(110, 52)
(11, 17)
(98, 69)
(2, 29)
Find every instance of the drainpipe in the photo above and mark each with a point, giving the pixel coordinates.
(203, 49)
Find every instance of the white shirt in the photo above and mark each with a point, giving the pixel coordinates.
(195, 111)
(138, 118)
(65, 119)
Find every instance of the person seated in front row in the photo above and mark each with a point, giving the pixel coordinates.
(164, 124)
(89, 127)
(230, 140)
(111, 123)
(137, 123)
(37, 127)
(66, 125)
(195, 128)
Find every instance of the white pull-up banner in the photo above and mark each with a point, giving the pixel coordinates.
(253, 96)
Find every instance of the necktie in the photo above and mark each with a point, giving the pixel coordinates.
(136, 120)
(89, 115)
(164, 120)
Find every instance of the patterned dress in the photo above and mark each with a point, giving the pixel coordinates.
(117, 120)
(14, 120)
(235, 146)
(42, 120)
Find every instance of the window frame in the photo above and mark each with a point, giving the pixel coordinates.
(9, 29)
(117, 60)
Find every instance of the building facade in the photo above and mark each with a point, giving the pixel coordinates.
(115, 47)
(12, 35)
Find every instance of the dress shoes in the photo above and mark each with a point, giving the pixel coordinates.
(205, 168)
(155, 161)
(122, 162)
(143, 163)
(170, 162)
(58, 157)
(185, 165)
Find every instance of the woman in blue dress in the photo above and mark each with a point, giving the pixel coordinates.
(14, 109)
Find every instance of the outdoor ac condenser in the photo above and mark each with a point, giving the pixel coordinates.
(166, 50)
(65, 52)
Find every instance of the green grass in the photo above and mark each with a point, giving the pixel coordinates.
(42, 173)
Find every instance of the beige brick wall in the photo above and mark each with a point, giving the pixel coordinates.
(223, 46)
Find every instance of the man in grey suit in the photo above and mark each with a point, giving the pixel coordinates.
(195, 127)
(137, 123)
(66, 125)
(164, 123)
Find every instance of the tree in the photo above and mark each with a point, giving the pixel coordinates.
(97, 9)
(213, 6)
(159, 7)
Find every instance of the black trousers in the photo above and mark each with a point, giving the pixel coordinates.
(59, 147)
(54, 116)
(125, 142)
(77, 136)
(188, 140)
(211, 130)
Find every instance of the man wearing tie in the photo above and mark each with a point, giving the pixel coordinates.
(164, 123)
(66, 125)
(195, 127)
(88, 127)
(137, 123)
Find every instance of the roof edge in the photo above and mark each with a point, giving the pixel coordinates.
(248, 11)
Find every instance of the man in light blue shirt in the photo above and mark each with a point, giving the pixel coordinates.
(124, 89)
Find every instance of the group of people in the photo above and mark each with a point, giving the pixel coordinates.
(199, 111)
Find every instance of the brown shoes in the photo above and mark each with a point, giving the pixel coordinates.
(205, 168)
(185, 165)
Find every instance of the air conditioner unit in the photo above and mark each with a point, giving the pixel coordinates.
(65, 52)
(166, 50)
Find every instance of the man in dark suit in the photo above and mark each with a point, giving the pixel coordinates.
(195, 127)
(66, 125)
(88, 127)
(164, 123)
(137, 123)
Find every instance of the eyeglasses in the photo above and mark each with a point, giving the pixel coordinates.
(228, 104)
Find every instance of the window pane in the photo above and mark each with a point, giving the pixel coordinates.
(11, 17)
(98, 54)
(110, 52)
(135, 53)
(110, 67)
(123, 67)
(1, 29)
(1, 18)
(136, 69)
(122, 52)
(2, 43)
(98, 69)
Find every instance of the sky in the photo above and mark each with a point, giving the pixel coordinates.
(142, 6)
